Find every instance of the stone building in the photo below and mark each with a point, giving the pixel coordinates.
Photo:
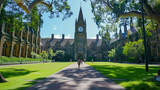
(80, 46)
(153, 42)
(19, 43)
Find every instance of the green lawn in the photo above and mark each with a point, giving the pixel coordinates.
(19, 77)
(136, 76)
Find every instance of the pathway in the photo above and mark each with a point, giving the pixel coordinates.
(72, 78)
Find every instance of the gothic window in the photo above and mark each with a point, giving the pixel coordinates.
(4, 49)
(29, 38)
(80, 39)
(16, 33)
(23, 51)
(80, 49)
(7, 26)
(24, 35)
(28, 52)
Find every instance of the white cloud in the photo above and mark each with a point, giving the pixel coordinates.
(54, 28)
(57, 36)
(93, 37)
(68, 36)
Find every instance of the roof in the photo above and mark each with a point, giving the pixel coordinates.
(63, 42)
(44, 41)
(130, 32)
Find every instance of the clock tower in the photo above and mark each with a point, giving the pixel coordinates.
(80, 38)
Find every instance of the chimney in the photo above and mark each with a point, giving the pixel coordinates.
(52, 36)
(97, 36)
(63, 36)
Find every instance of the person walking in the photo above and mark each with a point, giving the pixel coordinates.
(79, 62)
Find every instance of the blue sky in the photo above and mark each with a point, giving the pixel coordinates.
(58, 27)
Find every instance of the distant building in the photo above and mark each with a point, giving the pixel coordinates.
(153, 43)
(80, 46)
(18, 43)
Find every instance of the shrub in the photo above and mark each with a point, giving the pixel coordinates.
(50, 54)
(34, 55)
(16, 60)
(44, 55)
(59, 54)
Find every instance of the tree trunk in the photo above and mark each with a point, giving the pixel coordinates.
(1, 5)
(2, 78)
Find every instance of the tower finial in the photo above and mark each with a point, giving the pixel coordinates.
(80, 17)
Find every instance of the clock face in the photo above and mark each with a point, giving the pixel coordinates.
(80, 29)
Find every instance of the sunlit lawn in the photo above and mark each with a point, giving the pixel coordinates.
(136, 76)
(22, 76)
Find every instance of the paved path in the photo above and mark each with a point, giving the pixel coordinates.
(72, 78)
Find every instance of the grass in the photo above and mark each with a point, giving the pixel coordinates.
(136, 76)
(17, 60)
(21, 77)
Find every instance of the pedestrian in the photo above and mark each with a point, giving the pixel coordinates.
(92, 60)
(70, 60)
(79, 62)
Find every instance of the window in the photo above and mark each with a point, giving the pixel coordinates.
(80, 39)
(80, 49)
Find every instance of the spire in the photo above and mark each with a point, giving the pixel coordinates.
(80, 17)
(76, 21)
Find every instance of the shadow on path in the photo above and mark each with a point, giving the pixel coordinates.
(72, 78)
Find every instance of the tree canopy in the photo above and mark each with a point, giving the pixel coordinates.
(106, 10)
(55, 7)
(134, 49)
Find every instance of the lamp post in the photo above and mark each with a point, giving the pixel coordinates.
(144, 39)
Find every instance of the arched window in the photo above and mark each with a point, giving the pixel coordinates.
(4, 49)
(15, 50)
(17, 33)
(7, 27)
(80, 39)
(28, 54)
(23, 51)
(29, 38)
(24, 35)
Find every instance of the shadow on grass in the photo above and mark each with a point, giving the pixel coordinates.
(30, 83)
(12, 72)
(141, 86)
(72, 77)
(131, 73)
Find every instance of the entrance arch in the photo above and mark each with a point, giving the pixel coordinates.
(80, 56)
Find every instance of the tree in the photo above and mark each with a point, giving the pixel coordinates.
(114, 9)
(134, 49)
(55, 7)
(59, 54)
(44, 55)
(104, 33)
(112, 53)
(50, 54)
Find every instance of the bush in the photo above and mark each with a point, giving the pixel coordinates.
(59, 54)
(50, 54)
(16, 60)
(44, 55)
(34, 55)
(131, 60)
